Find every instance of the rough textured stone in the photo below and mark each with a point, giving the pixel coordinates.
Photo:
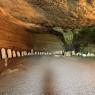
(52, 12)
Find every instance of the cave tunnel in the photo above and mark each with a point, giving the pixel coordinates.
(47, 47)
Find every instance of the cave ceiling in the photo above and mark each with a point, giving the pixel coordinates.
(52, 13)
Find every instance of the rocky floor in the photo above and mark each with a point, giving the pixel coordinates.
(50, 75)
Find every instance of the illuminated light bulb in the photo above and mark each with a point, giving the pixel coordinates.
(9, 52)
(14, 53)
(18, 54)
(3, 53)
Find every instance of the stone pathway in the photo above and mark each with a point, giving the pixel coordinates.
(50, 75)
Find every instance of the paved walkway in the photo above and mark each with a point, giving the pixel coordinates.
(50, 75)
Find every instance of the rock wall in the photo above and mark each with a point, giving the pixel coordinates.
(12, 34)
(46, 42)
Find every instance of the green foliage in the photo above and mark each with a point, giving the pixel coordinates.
(85, 36)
